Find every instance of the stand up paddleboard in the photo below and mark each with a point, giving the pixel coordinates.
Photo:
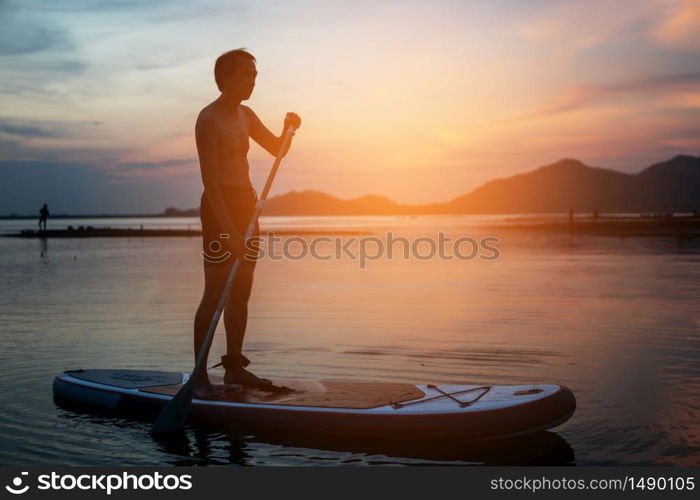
(410, 412)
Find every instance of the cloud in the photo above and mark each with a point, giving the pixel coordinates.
(572, 26)
(578, 97)
(575, 26)
(20, 35)
(55, 139)
(25, 130)
(680, 27)
(63, 146)
(155, 170)
(36, 52)
(8, 148)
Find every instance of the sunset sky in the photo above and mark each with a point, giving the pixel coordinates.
(419, 101)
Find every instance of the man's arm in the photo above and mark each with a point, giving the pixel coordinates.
(207, 137)
(262, 135)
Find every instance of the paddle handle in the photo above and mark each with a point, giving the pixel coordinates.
(203, 353)
(286, 139)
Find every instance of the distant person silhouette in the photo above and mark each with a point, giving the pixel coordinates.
(222, 134)
(43, 217)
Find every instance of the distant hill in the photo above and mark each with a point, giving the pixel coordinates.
(670, 186)
(319, 203)
(552, 188)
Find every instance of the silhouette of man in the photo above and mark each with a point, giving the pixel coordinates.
(43, 217)
(222, 133)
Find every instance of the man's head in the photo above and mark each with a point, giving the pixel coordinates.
(235, 73)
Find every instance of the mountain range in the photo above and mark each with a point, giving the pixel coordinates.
(670, 186)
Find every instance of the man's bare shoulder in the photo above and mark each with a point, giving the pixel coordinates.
(247, 111)
(208, 117)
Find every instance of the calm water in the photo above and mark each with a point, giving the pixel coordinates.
(616, 321)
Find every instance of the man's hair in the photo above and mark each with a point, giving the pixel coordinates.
(226, 64)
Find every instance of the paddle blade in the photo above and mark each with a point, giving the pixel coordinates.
(174, 415)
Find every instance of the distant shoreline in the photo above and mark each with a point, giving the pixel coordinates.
(682, 227)
(109, 232)
(609, 215)
(94, 216)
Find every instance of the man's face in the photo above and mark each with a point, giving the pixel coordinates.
(242, 79)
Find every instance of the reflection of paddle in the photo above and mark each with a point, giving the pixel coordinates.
(174, 414)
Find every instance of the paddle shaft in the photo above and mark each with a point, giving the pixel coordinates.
(174, 415)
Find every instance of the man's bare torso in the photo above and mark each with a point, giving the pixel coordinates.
(233, 133)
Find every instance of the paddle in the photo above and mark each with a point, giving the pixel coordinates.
(174, 415)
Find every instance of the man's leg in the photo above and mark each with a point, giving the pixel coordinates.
(214, 281)
(236, 310)
(235, 321)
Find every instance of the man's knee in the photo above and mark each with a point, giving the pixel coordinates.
(244, 278)
(239, 297)
(210, 299)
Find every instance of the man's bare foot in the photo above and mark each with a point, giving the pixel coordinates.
(241, 376)
(206, 390)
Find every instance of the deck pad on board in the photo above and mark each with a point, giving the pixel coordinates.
(326, 394)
